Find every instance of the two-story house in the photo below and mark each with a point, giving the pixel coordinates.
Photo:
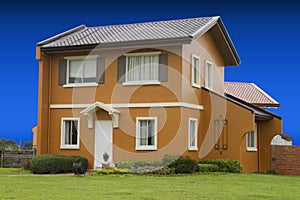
(140, 91)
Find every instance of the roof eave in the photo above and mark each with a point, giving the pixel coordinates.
(168, 41)
(267, 105)
(251, 106)
(233, 57)
(56, 37)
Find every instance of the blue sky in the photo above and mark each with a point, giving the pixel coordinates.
(266, 36)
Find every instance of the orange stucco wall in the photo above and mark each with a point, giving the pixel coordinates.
(267, 130)
(43, 105)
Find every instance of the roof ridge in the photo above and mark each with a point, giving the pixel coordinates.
(152, 22)
(237, 82)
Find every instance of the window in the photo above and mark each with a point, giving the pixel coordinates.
(208, 75)
(251, 140)
(146, 133)
(70, 133)
(196, 71)
(142, 68)
(193, 132)
(81, 70)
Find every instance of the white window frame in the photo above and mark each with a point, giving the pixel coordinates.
(62, 140)
(209, 73)
(254, 148)
(142, 147)
(70, 58)
(146, 82)
(195, 147)
(197, 85)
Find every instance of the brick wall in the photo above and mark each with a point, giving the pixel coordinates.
(285, 159)
(14, 158)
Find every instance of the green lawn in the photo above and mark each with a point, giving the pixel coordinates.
(150, 187)
(13, 171)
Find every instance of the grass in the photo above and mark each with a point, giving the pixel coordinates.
(152, 187)
(13, 171)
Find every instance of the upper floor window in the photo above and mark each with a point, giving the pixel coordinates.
(251, 140)
(146, 133)
(81, 71)
(70, 133)
(193, 132)
(196, 71)
(142, 68)
(209, 75)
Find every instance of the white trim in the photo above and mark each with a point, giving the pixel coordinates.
(89, 110)
(264, 93)
(62, 133)
(143, 53)
(88, 57)
(59, 106)
(199, 75)
(132, 105)
(71, 85)
(137, 134)
(210, 75)
(162, 104)
(133, 83)
(193, 148)
(255, 140)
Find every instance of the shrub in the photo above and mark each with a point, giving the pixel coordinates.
(112, 171)
(54, 164)
(136, 164)
(151, 170)
(143, 169)
(124, 164)
(184, 164)
(26, 165)
(168, 159)
(207, 167)
(226, 165)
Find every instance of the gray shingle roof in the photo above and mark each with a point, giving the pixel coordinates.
(185, 28)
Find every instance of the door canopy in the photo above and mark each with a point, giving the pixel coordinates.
(90, 111)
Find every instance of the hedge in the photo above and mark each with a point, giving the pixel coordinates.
(137, 164)
(54, 164)
(207, 167)
(112, 171)
(226, 165)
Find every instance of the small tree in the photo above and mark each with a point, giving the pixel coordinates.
(27, 145)
(8, 144)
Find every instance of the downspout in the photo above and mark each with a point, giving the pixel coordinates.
(49, 100)
(258, 145)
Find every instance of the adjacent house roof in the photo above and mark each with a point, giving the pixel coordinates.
(181, 31)
(260, 113)
(250, 93)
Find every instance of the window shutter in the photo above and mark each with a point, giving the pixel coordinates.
(62, 72)
(100, 70)
(163, 68)
(121, 69)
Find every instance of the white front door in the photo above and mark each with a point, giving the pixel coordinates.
(103, 141)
